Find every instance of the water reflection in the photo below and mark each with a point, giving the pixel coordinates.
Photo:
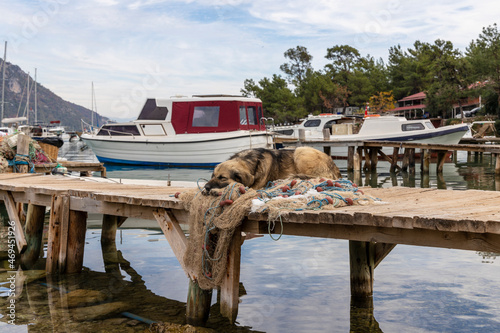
(116, 300)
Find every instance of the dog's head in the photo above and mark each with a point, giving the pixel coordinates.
(229, 172)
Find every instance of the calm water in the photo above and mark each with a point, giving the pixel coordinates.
(296, 284)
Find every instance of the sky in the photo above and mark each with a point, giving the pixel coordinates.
(137, 49)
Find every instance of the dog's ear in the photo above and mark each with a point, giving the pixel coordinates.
(242, 177)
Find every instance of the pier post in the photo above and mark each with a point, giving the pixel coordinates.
(350, 158)
(426, 160)
(374, 157)
(34, 235)
(395, 155)
(76, 241)
(362, 265)
(497, 164)
(368, 164)
(357, 159)
(441, 157)
(411, 160)
(57, 239)
(198, 304)
(231, 284)
(110, 224)
(326, 137)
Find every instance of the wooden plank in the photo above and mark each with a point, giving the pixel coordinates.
(76, 241)
(174, 235)
(34, 235)
(23, 142)
(10, 205)
(381, 251)
(230, 287)
(118, 209)
(54, 237)
(64, 229)
(419, 237)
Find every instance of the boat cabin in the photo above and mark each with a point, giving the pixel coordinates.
(199, 114)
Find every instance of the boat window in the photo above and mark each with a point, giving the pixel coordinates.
(429, 125)
(413, 127)
(252, 115)
(206, 116)
(153, 130)
(151, 111)
(285, 132)
(260, 115)
(243, 116)
(118, 130)
(312, 123)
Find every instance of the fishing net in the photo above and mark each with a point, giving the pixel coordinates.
(8, 152)
(214, 218)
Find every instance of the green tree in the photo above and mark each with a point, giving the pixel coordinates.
(320, 94)
(449, 81)
(278, 101)
(484, 57)
(345, 59)
(298, 66)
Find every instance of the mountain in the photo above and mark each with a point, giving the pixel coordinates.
(50, 106)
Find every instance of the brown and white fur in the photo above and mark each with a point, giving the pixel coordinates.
(256, 167)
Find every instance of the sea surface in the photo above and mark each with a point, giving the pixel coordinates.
(295, 284)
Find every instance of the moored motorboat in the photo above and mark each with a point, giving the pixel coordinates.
(200, 131)
(390, 128)
(400, 129)
(312, 126)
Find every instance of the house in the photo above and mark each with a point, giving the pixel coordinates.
(411, 106)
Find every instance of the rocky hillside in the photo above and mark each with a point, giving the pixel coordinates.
(50, 106)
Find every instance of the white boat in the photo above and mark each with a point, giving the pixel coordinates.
(200, 131)
(391, 128)
(313, 127)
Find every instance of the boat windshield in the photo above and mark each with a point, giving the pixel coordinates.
(118, 130)
(312, 123)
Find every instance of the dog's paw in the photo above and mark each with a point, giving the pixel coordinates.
(216, 192)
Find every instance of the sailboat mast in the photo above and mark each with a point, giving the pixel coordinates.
(28, 102)
(3, 81)
(92, 106)
(36, 106)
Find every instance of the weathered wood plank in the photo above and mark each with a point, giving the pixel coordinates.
(230, 285)
(34, 235)
(63, 247)
(174, 235)
(76, 241)
(18, 228)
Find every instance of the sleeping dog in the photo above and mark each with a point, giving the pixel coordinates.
(256, 167)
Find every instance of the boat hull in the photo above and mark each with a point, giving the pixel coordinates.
(190, 150)
(443, 135)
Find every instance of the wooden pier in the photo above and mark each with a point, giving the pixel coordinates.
(421, 217)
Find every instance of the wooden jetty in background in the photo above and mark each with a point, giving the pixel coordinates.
(421, 217)
(371, 152)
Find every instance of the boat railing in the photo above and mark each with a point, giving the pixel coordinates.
(117, 132)
(87, 128)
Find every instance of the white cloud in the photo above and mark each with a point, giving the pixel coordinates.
(206, 46)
